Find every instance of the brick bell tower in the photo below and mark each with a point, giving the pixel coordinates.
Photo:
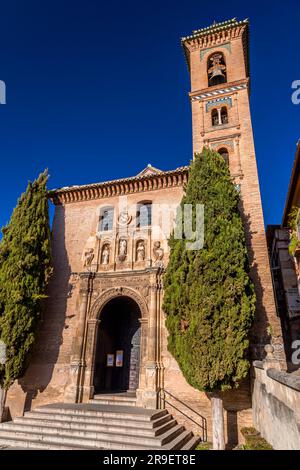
(218, 62)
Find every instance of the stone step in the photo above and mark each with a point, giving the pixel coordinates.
(117, 399)
(95, 426)
(105, 411)
(60, 420)
(37, 444)
(106, 440)
(23, 444)
(86, 430)
(180, 441)
(107, 401)
(191, 444)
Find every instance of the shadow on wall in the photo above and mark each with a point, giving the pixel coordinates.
(260, 331)
(237, 402)
(46, 350)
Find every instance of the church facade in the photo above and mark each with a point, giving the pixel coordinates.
(103, 329)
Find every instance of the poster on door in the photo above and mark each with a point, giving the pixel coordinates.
(110, 359)
(119, 358)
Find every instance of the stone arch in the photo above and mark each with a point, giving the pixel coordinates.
(224, 152)
(114, 292)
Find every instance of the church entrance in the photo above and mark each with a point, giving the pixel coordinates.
(117, 359)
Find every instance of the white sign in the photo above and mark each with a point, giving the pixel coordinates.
(110, 359)
(119, 358)
(293, 301)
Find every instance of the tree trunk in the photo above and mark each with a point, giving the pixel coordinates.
(2, 402)
(217, 423)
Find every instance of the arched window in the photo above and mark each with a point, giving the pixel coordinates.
(219, 116)
(216, 69)
(144, 214)
(224, 153)
(106, 219)
(224, 115)
(215, 117)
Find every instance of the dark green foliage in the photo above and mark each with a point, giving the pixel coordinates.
(24, 274)
(293, 221)
(209, 298)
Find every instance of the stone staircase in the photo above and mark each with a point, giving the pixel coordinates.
(105, 423)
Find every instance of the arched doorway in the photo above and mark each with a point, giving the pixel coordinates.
(117, 358)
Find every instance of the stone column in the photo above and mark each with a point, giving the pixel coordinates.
(71, 391)
(237, 146)
(236, 107)
(202, 114)
(87, 389)
(161, 368)
(150, 395)
(143, 362)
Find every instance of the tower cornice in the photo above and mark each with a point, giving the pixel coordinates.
(216, 35)
(216, 32)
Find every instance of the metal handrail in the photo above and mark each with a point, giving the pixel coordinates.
(202, 425)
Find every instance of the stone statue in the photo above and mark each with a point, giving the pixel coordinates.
(105, 255)
(122, 249)
(140, 251)
(88, 257)
(158, 253)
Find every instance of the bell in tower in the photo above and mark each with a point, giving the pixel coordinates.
(216, 70)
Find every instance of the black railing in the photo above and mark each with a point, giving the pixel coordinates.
(202, 424)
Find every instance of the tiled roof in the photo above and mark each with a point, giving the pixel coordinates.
(144, 181)
(140, 176)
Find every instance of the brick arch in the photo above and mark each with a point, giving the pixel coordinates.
(113, 293)
(226, 147)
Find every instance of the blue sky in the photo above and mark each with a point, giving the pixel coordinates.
(96, 90)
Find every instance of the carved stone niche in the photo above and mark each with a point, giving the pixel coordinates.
(122, 249)
(105, 254)
(140, 251)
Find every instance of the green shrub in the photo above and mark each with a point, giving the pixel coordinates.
(254, 441)
(24, 273)
(204, 446)
(209, 298)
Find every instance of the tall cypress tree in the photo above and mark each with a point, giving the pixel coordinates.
(24, 273)
(209, 298)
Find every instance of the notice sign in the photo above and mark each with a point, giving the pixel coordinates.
(110, 359)
(119, 359)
